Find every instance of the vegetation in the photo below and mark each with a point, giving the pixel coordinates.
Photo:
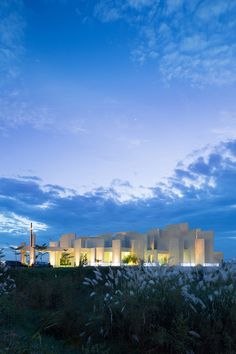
(165, 309)
(41, 251)
(7, 284)
(83, 261)
(131, 259)
(65, 258)
(46, 312)
(16, 250)
(118, 310)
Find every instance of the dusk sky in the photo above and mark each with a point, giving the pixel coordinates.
(117, 115)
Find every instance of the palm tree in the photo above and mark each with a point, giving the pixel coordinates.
(41, 250)
(16, 250)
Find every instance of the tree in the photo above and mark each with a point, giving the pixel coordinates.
(131, 259)
(65, 258)
(41, 249)
(16, 250)
(83, 261)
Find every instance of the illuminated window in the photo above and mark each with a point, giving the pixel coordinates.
(107, 257)
(124, 254)
(186, 256)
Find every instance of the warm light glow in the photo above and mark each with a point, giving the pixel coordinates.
(107, 257)
(163, 258)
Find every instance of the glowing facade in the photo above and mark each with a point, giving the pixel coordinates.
(175, 244)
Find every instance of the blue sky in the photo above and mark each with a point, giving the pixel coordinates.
(117, 115)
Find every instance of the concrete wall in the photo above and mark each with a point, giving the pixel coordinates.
(77, 247)
(99, 254)
(53, 244)
(116, 252)
(54, 258)
(137, 248)
(174, 250)
(92, 256)
(67, 240)
(209, 245)
(199, 251)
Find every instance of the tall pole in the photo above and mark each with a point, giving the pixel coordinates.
(31, 234)
(32, 245)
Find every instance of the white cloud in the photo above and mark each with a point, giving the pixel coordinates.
(132, 142)
(16, 107)
(15, 224)
(209, 9)
(107, 12)
(225, 127)
(125, 192)
(12, 27)
(192, 41)
(16, 110)
(139, 4)
(45, 205)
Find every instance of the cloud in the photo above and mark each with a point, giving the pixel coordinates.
(17, 106)
(140, 4)
(12, 27)
(192, 41)
(201, 191)
(226, 126)
(16, 109)
(14, 224)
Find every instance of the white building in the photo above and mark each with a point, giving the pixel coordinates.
(175, 244)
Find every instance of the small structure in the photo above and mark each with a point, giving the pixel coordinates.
(174, 245)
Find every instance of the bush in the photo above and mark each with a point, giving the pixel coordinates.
(131, 259)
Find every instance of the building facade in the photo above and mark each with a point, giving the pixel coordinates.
(174, 245)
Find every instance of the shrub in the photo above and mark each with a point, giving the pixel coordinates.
(131, 259)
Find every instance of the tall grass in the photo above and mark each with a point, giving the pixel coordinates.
(164, 309)
(120, 310)
(7, 284)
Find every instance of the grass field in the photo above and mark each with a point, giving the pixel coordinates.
(129, 310)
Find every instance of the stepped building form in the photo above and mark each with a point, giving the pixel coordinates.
(175, 245)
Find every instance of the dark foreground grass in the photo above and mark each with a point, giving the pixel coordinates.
(51, 311)
(46, 312)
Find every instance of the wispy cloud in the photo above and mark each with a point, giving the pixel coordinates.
(17, 225)
(12, 25)
(17, 110)
(226, 125)
(17, 107)
(192, 41)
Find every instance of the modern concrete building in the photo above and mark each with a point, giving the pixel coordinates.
(175, 245)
